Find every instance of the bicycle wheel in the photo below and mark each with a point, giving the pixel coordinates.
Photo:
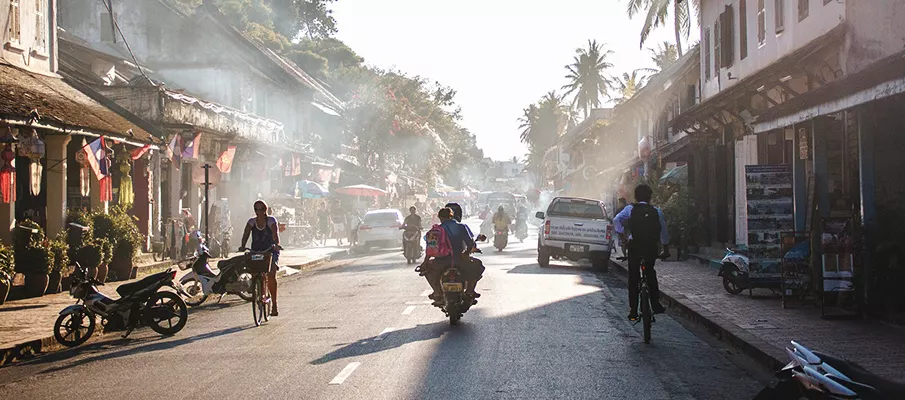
(257, 304)
(646, 314)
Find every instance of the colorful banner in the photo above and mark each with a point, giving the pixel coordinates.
(770, 213)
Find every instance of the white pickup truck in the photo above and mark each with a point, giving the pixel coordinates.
(575, 228)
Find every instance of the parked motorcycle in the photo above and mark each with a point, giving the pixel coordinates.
(140, 303)
(813, 375)
(203, 282)
(411, 242)
(734, 270)
(219, 246)
(500, 239)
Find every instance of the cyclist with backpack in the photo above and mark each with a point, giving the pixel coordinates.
(644, 228)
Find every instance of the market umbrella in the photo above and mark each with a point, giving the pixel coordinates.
(677, 175)
(310, 190)
(361, 190)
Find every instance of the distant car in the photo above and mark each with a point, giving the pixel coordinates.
(381, 227)
(575, 228)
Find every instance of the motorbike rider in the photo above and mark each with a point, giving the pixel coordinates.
(412, 223)
(462, 246)
(644, 228)
(501, 220)
(471, 267)
(521, 216)
(265, 235)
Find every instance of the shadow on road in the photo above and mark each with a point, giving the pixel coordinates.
(392, 340)
(153, 344)
(534, 269)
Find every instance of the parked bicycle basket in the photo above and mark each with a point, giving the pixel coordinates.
(258, 262)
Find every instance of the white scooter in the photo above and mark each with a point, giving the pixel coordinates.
(202, 282)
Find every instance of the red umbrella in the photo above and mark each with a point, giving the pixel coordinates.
(361, 190)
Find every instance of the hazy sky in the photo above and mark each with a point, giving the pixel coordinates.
(499, 55)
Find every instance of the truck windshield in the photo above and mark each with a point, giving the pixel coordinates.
(577, 209)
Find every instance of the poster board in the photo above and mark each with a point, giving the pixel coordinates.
(770, 213)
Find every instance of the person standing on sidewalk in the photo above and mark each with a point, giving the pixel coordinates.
(265, 235)
(644, 228)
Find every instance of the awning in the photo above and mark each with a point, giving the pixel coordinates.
(325, 109)
(883, 79)
(60, 106)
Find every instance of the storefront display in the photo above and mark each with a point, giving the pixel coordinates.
(770, 213)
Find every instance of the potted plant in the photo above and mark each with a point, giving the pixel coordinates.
(106, 249)
(128, 243)
(7, 269)
(90, 257)
(33, 257)
(60, 262)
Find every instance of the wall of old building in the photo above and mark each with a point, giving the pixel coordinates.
(875, 31)
(822, 17)
(32, 50)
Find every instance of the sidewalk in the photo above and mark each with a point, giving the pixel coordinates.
(762, 328)
(26, 326)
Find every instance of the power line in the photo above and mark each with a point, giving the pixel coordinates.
(125, 41)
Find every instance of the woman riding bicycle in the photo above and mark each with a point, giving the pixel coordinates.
(265, 236)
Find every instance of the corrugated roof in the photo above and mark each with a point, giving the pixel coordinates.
(58, 103)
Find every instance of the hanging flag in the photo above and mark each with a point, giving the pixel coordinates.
(191, 148)
(97, 157)
(8, 175)
(296, 165)
(225, 161)
(137, 153)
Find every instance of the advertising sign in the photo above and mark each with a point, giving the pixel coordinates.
(770, 212)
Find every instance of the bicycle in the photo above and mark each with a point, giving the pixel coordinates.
(258, 264)
(647, 315)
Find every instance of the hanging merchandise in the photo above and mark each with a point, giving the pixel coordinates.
(8, 175)
(33, 148)
(126, 194)
(81, 158)
(225, 161)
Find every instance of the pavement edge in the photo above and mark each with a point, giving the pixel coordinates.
(29, 348)
(759, 350)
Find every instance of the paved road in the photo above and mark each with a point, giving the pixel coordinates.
(365, 330)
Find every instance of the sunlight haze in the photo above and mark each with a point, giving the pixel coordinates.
(500, 56)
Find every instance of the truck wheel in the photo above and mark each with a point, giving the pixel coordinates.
(543, 257)
(602, 263)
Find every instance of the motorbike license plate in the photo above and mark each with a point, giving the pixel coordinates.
(452, 287)
(578, 248)
(257, 257)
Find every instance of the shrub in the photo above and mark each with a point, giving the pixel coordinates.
(60, 251)
(31, 249)
(90, 255)
(7, 263)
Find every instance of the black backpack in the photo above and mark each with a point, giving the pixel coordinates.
(644, 224)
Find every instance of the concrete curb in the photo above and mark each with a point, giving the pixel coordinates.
(31, 347)
(749, 344)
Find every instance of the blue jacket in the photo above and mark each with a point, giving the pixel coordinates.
(626, 212)
(459, 237)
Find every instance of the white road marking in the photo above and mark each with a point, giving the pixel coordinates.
(383, 334)
(426, 292)
(408, 310)
(345, 373)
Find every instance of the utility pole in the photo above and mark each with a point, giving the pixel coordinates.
(207, 200)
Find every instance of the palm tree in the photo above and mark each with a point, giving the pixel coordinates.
(657, 13)
(664, 55)
(586, 76)
(541, 124)
(628, 84)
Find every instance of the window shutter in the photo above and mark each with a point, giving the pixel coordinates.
(727, 36)
(743, 28)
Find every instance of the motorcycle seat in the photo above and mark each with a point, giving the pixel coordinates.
(130, 288)
(857, 373)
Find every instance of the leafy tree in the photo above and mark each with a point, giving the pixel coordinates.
(664, 55)
(628, 84)
(587, 79)
(542, 124)
(658, 11)
(314, 64)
